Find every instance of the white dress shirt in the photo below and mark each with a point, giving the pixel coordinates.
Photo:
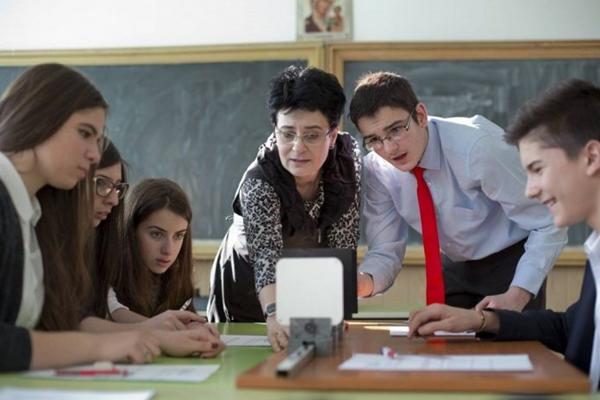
(592, 249)
(29, 211)
(478, 189)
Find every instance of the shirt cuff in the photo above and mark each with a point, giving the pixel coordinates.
(530, 279)
(382, 280)
(17, 346)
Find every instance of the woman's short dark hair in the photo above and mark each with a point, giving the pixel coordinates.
(381, 89)
(307, 88)
(568, 113)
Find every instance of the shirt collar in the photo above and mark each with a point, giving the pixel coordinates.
(432, 156)
(592, 249)
(28, 208)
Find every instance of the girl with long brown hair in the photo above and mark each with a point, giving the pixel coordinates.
(110, 181)
(51, 134)
(156, 273)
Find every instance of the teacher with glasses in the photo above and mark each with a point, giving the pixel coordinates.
(301, 191)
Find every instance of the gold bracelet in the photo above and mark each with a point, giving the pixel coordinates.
(483, 321)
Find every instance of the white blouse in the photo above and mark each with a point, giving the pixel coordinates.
(113, 303)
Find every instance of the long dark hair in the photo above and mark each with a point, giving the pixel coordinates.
(109, 239)
(136, 286)
(33, 108)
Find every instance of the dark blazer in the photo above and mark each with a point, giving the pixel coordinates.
(14, 341)
(570, 332)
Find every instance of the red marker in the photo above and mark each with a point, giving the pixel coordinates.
(91, 372)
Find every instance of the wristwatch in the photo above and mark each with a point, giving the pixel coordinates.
(270, 310)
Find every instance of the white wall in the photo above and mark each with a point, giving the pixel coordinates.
(68, 24)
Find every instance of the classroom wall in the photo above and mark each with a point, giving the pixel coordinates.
(408, 291)
(85, 24)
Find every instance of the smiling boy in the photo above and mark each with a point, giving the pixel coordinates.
(558, 137)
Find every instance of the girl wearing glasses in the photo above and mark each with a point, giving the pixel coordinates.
(301, 191)
(155, 279)
(110, 188)
(51, 134)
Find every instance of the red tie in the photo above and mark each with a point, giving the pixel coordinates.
(431, 243)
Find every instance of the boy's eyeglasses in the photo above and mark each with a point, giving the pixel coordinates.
(372, 143)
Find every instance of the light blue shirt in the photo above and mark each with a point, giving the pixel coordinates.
(478, 188)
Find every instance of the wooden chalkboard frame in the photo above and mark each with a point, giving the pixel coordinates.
(312, 52)
(336, 55)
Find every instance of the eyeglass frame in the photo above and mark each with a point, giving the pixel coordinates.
(390, 136)
(120, 187)
(322, 136)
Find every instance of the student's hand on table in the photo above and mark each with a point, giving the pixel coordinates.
(277, 334)
(202, 325)
(514, 298)
(189, 342)
(364, 285)
(172, 320)
(137, 347)
(440, 317)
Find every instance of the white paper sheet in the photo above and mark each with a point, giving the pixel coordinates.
(403, 331)
(153, 373)
(13, 393)
(480, 362)
(245, 340)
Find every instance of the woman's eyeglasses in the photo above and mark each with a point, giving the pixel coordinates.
(105, 186)
(312, 138)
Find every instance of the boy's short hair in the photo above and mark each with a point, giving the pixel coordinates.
(380, 89)
(569, 115)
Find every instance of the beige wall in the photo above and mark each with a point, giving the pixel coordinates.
(65, 24)
(408, 292)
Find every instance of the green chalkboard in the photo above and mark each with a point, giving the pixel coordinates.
(492, 88)
(199, 124)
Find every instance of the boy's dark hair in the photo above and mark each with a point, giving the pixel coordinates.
(381, 89)
(569, 115)
(307, 88)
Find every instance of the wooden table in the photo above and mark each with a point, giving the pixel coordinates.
(234, 362)
(551, 374)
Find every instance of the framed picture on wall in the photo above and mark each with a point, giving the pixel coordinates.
(324, 19)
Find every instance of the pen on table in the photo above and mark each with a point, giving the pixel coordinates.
(186, 304)
(91, 372)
